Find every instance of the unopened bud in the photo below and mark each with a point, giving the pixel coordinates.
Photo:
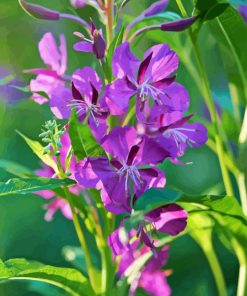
(39, 11)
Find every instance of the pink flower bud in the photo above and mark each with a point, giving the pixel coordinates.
(39, 12)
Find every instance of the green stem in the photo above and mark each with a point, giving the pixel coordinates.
(215, 267)
(109, 5)
(82, 241)
(212, 110)
(242, 276)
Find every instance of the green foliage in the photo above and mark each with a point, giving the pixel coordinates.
(38, 149)
(15, 168)
(228, 30)
(210, 9)
(68, 279)
(29, 185)
(83, 142)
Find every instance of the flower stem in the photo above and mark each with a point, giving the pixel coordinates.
(109, 10)
(212, 110)
(82, 240)
(215, 267)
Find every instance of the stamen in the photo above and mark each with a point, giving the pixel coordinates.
(132, 172)
(179, 137)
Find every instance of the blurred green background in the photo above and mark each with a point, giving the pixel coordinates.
(23, 231)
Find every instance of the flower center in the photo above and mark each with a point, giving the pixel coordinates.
(147, 90)
(180, 137)
(130, 171)
(82, 107)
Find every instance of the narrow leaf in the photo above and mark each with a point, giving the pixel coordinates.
(29, 185)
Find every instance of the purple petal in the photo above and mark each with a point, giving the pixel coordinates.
(118, 241)
(119, 142)
(143, 68)
(124, 62)
(63, 55)
(150, 152)
(84, 46)
(170, 219)
(93, 172)
(117, 96)
(158, 261)
(164, 62)
(151, 178)
(59, 101)
(49, 52)
(243, 11)
(155, 8)
(155, 283)
(179, 25)
(54, 206)
(84, 78)
(46, 84)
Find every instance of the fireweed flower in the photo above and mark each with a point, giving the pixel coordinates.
(53, 77)
(95, 45)
(58, 203)
(171, 128)
(130, 156)
(84, 98)
(170, 219)
(151, 278)
(149, 79)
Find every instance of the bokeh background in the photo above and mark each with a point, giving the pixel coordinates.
(23, 231)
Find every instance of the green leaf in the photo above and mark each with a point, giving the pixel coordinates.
(155, 198)
(228, 30)
(5, 80)
(76, 257)
(15, 168)
(83, 142)
(29, 185)
(224, 213)
(68, 279)
(38, 149)
(210, 9)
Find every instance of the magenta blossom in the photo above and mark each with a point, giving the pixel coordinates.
(170, 219)
(149, 79)
(95, 45)
(51, 78)
(151, 278)
(58, 203)
(127, 169)
(84, 98)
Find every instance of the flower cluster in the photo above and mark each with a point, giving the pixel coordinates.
(149, 127)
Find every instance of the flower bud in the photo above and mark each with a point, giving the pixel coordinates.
(39, 12)
(179, 25)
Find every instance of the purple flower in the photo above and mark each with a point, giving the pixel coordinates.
(96, 45)
(170, 128)
(51, 78)
(84, 98)
(149, 79)
(179, 25)
(169, 219)
(78, 3)
(151, 278)
(58, 203)
(130, 156)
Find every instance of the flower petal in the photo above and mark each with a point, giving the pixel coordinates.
(59, 101)
(124, 62)
(119, 142)
(49, 52)
(84, 46)
(164, 62)
(170, 219)
(117, 96)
